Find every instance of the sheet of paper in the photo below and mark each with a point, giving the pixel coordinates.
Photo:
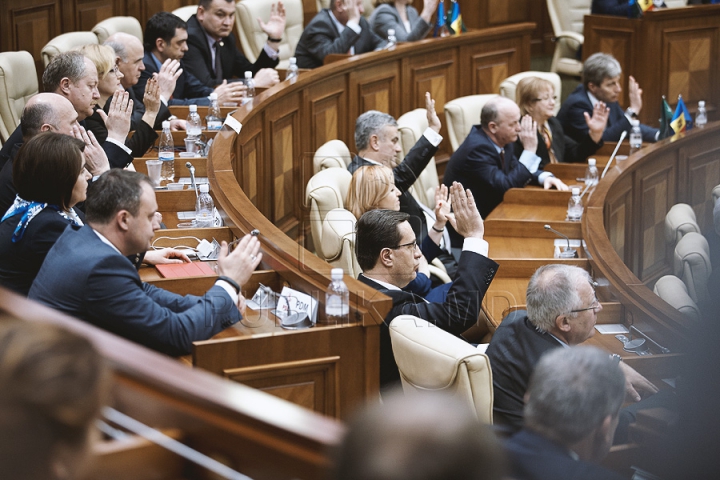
(612, 328)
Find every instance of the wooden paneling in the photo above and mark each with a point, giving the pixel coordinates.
(700, 171)
(655, 194)
(618, 208)
(87, 13)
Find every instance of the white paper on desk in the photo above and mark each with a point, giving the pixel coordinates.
(297, 302)
(612, 328)
(188, 180)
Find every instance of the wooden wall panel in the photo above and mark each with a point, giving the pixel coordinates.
(655, 195)
(326, 105)
(249, 168)
(433, 73)
(618, 212)
(87, 13)
(375, 88)
(700, 169)
(688, 66)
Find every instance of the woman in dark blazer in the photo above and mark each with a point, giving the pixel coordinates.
(50, 177)
(536, 97)
(403, 18)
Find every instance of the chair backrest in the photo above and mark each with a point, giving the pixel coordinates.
(509, 85)
(461, 114)
(411, 126)
(674, 292)
(325, 191)
(331, 154)
(185, 12)
(692, 265)
(430, 359)
(252, 38)
(118, 24)
(679, 221)
(338, 241)
(65, 43)
(567, 19)
(18, 82)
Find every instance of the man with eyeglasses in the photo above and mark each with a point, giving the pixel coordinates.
(561, 312)
(387, 252)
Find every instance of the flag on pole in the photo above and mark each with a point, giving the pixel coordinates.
(682, 120)
(666, 115)
(441, 28)
(455, 19)
(646, 5)
(634, 9)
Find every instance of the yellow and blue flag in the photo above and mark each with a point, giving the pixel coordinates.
(455, 19)
(682, 120)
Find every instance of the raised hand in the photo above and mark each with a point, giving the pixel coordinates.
(432, 116)
(275, 26)
(266, 77)
(467, 221)
(429, 7)
(597, 123)
(528, 133)
(353, 9)
(167, 77)
(230, 92)
(96, 161)
(635, 95)
(443, 206)
(151, 100)
(117, 120)
(242, 261)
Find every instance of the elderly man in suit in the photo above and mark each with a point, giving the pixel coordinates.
(87, 274)
(339, 29)
(601, 83)
(212, 55)
(387, 252)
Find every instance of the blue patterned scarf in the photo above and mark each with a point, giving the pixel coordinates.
(29, 210)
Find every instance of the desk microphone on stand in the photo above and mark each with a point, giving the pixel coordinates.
(569, 252)
(192, 177)
(612, 157)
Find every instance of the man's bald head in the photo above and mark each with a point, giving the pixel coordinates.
(129, 49)
(500, 119)
(47, 112)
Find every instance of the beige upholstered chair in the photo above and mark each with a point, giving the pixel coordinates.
(567, 18)
(411, 127)
(118, 24)
(338, 241)
(692, 265)
(461, 114)
(65, 43)
(674, 292)
(679, 221)
(430, 359)
(18, 82)
(185, 12)
(325, 191)
(252, 38)
(509, 85)
(330, 155)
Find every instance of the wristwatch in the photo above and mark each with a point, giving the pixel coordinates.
(631, 111)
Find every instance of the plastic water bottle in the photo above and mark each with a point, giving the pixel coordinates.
(250, 83)
(575, 207)
(292, 70)
(701, 115)
(337, 299)
(591, 173)
(635, 135)
(392, 40)
(204, 208)
(213, 119)
(167, 153)
(194, 124)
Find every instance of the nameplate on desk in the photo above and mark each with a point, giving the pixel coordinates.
(177, 270)
(232, 123)
(291, 302)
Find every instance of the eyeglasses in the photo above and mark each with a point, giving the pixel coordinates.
(114, 70)
(546, 99)
(412, 244)
(595, 305)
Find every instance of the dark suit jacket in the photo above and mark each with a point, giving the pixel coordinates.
(143, 138)
(533, 457)
(139, 111)
(21, 261)
(458, 313)
(573, 121)
(386, 16)
(566, 149)
(86, 278)
(405, 175)
(198, 58)
(188, 89)
(321, 38)
(611, 7)
(477, 165)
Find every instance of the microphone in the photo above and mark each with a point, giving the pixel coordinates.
(192, 177)
(569, 252)
(612, 157)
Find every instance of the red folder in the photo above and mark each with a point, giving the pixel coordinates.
(195, 269)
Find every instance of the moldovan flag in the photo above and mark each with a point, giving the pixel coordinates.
(455, 19)
(682, 120)
(646, 5)
(665, 119)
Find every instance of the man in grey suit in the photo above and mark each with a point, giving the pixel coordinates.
(87, 274)
(339, 29)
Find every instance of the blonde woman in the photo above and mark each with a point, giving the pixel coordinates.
(373, 187)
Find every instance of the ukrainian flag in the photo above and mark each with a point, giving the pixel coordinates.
(682, 120)
(455, 19)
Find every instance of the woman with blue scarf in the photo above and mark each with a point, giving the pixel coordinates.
(50, 177)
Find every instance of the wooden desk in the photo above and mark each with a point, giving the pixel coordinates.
(669, 52)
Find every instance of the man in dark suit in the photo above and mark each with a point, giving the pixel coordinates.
(339, 29)
(86, 273)
(378, 142)
(212, 55)
(486, 163)
(166, 40)
(75, 77)
(572, 411)
(561, 311)
(601, 83)
(388, 254)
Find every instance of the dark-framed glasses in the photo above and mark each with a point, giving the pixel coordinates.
(595, 305)
(412, 244)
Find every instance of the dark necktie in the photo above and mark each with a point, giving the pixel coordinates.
(218, 65)
(502, 159)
